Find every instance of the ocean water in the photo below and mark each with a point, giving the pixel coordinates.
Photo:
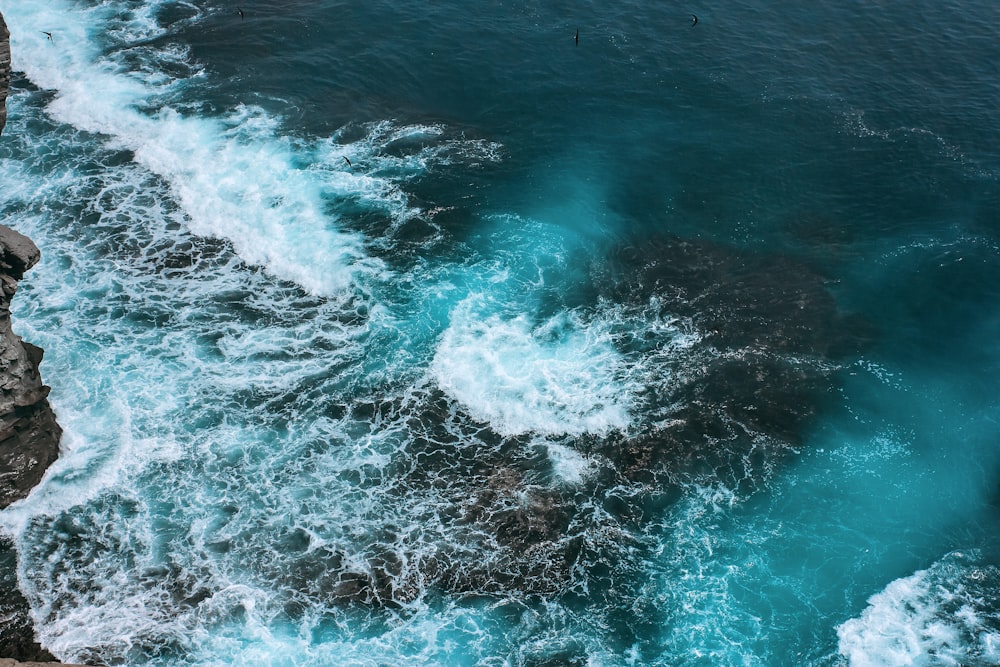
(393, 334)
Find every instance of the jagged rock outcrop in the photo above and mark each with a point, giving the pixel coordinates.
(29, 440)
(29, 434)
(4, 71)
(9, 662)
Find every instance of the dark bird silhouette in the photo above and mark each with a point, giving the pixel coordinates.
(240, 12)
(347, 161)
(47, 34)
(694, 20)
(578, 36)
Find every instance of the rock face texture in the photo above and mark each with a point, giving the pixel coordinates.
(9, 662)
(17, 634)
(29, 434)
(4, 70)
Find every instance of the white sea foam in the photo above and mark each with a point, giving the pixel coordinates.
(557, 376)
(569, 465)
(233, 176)
(206, 461)
(194, 390)
(207, 448)
(943, 615)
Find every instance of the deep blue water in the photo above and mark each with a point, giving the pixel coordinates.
(427, 335)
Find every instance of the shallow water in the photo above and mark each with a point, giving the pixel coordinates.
(388, 335)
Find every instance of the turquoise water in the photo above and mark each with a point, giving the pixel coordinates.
(392, 335)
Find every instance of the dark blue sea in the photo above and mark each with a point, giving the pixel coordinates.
(510, 333)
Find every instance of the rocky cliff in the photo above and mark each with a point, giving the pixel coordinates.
(4, 70)
(29, 439)
(29, 434)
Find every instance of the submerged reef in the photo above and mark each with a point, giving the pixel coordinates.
(734, 360)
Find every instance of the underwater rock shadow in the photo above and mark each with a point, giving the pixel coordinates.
(737, 401)
(463, 512)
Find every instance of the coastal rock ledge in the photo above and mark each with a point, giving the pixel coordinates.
(29, 434)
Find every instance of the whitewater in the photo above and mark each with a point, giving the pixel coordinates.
(385, 335)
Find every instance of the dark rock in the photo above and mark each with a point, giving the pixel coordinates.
(4, 71)
(29, 440)
(29, 434)
(10, 662)
(16, 633)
